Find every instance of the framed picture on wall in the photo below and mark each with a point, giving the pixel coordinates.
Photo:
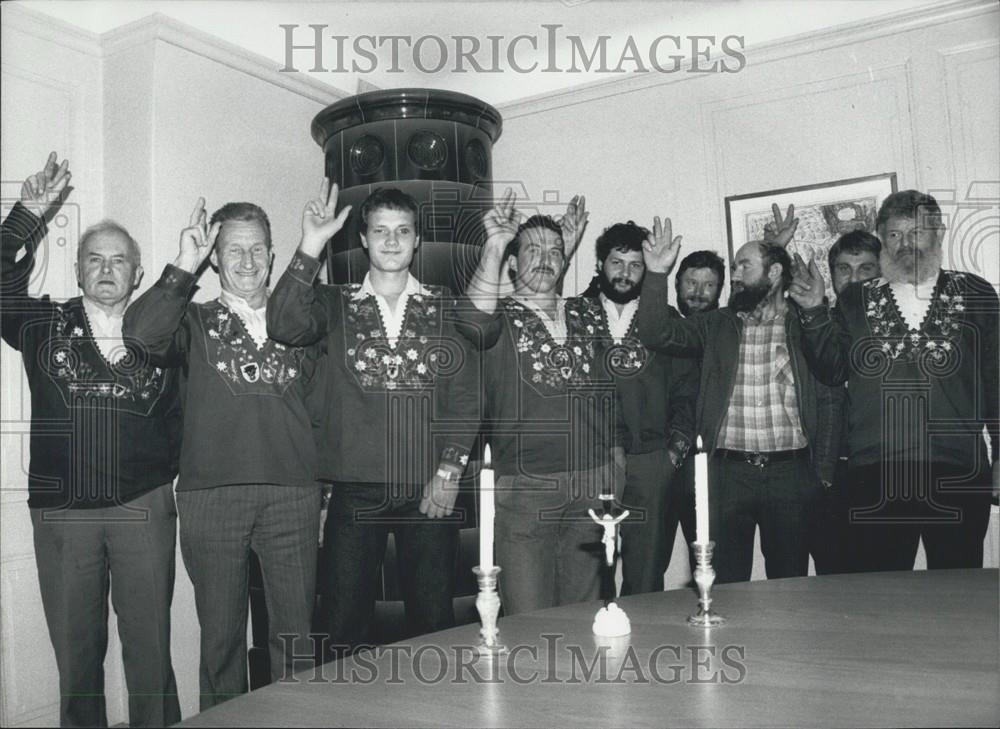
(825, 210)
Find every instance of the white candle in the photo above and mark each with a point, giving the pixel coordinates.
(701, 495)
(487, 510)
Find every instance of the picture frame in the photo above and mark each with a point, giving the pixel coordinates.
(826, 210)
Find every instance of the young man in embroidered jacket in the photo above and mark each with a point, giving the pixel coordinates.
(248, 462)
(768, 425)
(656, 395)
(105, 432)
(918, 349)
(400, 407)
(550, 404)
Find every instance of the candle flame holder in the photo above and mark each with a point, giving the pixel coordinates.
(488, 607)
(704, 577)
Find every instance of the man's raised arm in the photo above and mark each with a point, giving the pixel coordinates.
(157, 318)
(657, 328)
(24, 227)
(295, 315)
(826, 343)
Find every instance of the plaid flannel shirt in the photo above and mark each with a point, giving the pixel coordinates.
(763, 413)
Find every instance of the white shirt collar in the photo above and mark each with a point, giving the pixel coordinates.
(413, 286)
(254, 320)
(556, 327)
(106, 330)
(619, 323)
(913, 301)
(392, 319)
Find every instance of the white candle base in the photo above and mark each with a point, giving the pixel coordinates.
(611, 622)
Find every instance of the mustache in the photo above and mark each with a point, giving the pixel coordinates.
(545, 269)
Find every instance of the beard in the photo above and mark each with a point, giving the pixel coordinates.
(695, 305)
(910, 265)
(749, 295)
(610, 289)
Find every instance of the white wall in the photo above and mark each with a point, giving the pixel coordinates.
(150, 116)
(154, 115)
(51, 82)
(917, 97)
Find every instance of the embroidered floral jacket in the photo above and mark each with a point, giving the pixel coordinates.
(102, 433)
(550, 405)
(914, 394)
(245, 414)
(656, 393)
(392, 412)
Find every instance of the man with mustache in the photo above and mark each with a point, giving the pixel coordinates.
(764, 420)
(105, 431)
(248, 461)
(550, 407)
(699, 281)
(918, 349)
(656, 395)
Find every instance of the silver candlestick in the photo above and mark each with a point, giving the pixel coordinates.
(488, 606)
(704, 577)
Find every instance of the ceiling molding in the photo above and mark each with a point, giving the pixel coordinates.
(159, 27)
(780, 49)
(32, 22)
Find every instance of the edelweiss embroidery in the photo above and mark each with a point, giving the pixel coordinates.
(627, 357)
(547, 362)
(239, 361)
(936, 340)
(73, 361)
(413, 362)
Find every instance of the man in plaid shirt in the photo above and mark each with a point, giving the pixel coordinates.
(769, 427)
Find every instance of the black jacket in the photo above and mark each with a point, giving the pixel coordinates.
(714, 337)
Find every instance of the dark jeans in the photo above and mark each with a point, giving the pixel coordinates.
(659, 498)
(893, 506)
(359, 519)
(548, 547)
(219, 527)
(778, 498)
(77, 551)
(827, 530)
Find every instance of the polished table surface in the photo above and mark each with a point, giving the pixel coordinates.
(889, 649)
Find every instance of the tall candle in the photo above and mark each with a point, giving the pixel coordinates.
(487, 510)
(701, 495)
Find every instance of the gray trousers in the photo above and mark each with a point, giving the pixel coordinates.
(548, 548)
(219, 527)
(79, 552)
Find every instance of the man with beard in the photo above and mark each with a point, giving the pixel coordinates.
(918, 349)
(549, 403)
(656, 397)
(765, 422)
(699, 281)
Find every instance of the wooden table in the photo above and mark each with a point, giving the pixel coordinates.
(891, 649)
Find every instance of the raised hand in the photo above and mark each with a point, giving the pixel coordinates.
(781, 231)
(501, 221)
(807, 289)
(197, 240)
(42, 191)
(660, 249)
(573, 223)
(320, 221)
